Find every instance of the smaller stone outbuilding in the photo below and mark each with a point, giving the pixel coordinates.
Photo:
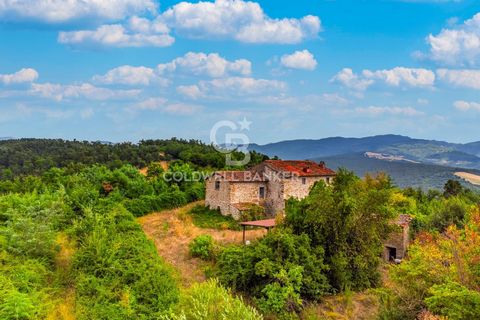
(397, 243)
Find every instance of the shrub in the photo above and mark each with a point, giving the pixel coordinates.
(454, 301)
(209, 300)
(282, 296)
(202, 247)
(278, 271)
(253, 212)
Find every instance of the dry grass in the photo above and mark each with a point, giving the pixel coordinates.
(470, 177)
(63, 308)
(173, 230)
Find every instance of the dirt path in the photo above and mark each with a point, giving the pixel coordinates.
(172, 231)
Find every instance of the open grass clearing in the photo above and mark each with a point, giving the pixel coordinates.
(173, 230)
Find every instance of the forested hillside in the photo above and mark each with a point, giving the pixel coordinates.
(35, 156)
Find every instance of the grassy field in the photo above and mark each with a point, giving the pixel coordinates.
(470, 177)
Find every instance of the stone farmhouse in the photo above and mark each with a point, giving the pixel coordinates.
(268, 184)
(272, 182)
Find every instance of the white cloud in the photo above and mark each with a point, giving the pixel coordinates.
(139, 32)
(299, 60)
(400, 75)
(192, 92)
(422, 101)
(129, 75)
(244, 21)
(393, 77)
(181, 108)
(240, 86)
(163, 105)
(467, 106)
(61, 11)
(25, 75)
(212, 65)
(60, 92)
(461, 78)
(459, 45)
(397, 111)
(351, 80)
(192, 63)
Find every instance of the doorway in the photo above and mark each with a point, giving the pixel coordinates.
(391, 253)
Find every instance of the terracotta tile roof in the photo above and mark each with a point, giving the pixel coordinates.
(403, 220)
(301, 168)
(239, 176)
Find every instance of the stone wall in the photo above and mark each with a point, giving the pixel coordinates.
(296, 188)
(398, 240)
(241, 192)
(275, 202)
(231, 193)
(218, 199)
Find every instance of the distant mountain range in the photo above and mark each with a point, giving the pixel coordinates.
(417, 150)
(411, 162)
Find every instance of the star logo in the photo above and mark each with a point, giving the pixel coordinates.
(244, 124)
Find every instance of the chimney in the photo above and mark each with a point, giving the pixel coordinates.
(322, 164)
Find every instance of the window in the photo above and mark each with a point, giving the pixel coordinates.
(328, 180)
(217, 185)
(304, 180)
(261, 192)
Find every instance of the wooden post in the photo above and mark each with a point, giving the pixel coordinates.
(243, 234)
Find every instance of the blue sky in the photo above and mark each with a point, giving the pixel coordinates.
(135, 69)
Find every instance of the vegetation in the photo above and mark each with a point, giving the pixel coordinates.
(36, 156)
(210, 300)
(204, 217)
(70, 244)
(114, 270)
(329, 242)
(442, 273)
(202, 247)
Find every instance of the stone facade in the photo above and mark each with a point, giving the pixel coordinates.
(395, 247)
(268, 185)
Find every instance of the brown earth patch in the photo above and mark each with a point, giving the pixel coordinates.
(172, 231)
(470, 177)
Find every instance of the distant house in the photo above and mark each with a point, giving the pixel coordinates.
(268, 185)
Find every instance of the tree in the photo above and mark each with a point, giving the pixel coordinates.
(452, 188)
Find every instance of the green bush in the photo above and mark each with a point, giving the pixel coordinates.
(209, 300)
(454, 301)
(253, 212)
(119, 273)
(277, 271)
(202, 247)
(282, 296)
